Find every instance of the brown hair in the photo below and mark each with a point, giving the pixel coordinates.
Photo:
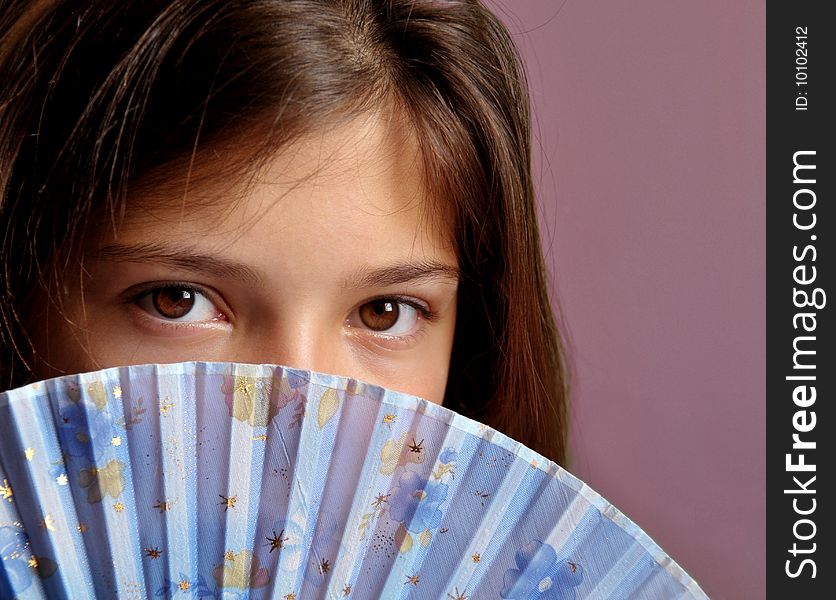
(98, 97)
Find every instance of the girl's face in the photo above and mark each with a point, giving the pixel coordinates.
(331, 261)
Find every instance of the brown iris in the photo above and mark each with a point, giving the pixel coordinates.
(172, 302)
(380, 315)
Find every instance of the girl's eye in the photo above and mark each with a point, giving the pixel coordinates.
(389, 316)
(177, 303)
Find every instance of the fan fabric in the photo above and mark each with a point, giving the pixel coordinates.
(236, 481)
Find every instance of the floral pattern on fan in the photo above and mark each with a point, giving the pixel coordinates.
(84, 429)
(241, 570)
(103, 481)
(257, 400)
(254, 482)
(13, 550)
(540, 575)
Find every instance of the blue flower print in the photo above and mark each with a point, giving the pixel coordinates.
(540, 575)
(295, 379)
(13, 554)
(416, 502)
(84, 431)
(293, 533)
(447, 456)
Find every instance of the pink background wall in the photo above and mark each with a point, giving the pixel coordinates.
(650, 140)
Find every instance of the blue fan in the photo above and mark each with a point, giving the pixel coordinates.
(236, 481)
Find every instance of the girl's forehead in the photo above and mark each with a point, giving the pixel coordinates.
(378, 146)
(351, 191)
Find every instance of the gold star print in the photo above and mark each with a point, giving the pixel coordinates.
(413, 447)
(62, 479)
(6, 491)
(290, 596)
(165, 407)
(388, 420)
(229, 556)
(153, 553)
(533, 464)
(413, 579)
(82, 527)
(117, 392)
(324, 566)
(184, 585)
(459, 595)
(380, 500)
(347, 590)
(29, 453)
(118, 507)
(244, 386)
(116, 441)
(163, 506)
(47, 523)
(260, 438)
(277, 541)
(228, 502)
(476, 557)
(33, 562)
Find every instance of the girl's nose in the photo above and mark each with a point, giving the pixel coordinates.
(302, 343)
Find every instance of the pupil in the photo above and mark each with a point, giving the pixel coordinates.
(173, 303)
(380, 315)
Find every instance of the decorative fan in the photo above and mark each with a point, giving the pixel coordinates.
(234, 481)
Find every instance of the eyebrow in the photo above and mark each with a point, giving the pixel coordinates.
(180, 257)
(403, 273)
(186, 258)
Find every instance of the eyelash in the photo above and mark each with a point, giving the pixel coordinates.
(425, 312)
(391, 341)
(135, 297)
(395, 340)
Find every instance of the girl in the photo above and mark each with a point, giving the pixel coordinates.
(340, 185)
